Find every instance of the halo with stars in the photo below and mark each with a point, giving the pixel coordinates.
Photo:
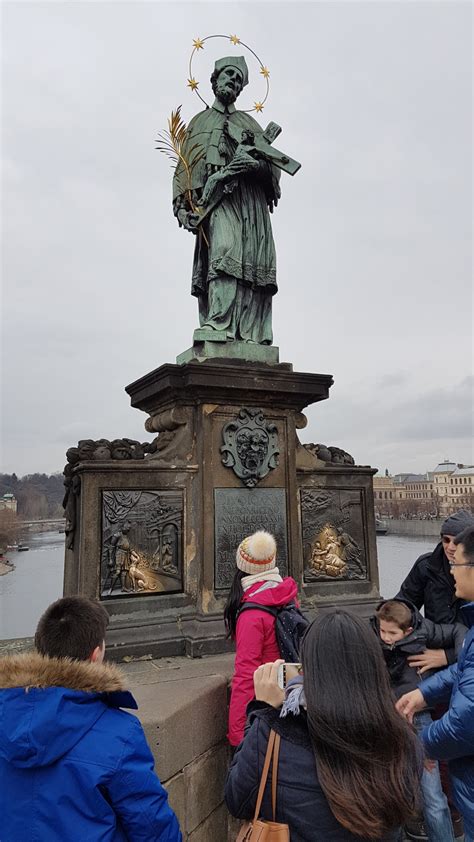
(198, 44)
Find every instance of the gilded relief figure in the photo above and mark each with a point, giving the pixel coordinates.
(327, 555)
(143, 577)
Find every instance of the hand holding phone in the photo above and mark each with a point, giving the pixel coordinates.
(286, 672)
(266, 684)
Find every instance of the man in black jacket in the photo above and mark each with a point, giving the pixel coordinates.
(430, 584)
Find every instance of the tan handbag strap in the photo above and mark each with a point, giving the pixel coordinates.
(263, 779)
(276, 751)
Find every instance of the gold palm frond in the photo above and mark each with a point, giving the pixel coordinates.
(172, 142)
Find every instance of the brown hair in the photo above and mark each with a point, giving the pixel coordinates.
(395, 612)
(368, 759)
(72, 627)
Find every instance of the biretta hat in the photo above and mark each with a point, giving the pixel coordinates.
(256, 553)
(234, 61)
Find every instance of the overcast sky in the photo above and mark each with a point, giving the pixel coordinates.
(373, 234)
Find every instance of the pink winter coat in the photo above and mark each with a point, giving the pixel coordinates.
(256, 644)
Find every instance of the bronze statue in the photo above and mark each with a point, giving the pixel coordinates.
(225, 198)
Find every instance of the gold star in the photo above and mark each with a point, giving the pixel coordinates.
(265, 72)
(198, 44)
(192, 84)
(234, 39)
(258, 106)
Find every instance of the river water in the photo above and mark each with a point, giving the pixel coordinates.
(36, 581)
(38, 577)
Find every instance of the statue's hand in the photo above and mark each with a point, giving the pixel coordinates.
(192, 223)
(188, 220)
(211, 185)
(242, 162)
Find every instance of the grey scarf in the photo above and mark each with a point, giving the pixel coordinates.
(295, 698)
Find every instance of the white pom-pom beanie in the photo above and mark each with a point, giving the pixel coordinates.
(256, 553)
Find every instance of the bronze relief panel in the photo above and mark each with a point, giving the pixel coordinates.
(334, 545)
(142, 541)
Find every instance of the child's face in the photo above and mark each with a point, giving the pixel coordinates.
(390, 632)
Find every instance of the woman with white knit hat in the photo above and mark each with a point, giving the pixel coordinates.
(257, 580)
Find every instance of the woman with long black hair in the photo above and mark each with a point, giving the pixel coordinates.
(349, 766)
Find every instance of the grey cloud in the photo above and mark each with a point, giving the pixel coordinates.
(393, 381)
(439, 414)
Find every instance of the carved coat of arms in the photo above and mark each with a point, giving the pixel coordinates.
(250, 446)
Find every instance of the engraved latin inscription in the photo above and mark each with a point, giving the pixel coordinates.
(238, 513)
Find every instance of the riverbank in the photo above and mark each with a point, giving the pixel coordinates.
(6, 567)
(414, 528)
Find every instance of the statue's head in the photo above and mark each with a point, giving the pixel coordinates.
(229, 77)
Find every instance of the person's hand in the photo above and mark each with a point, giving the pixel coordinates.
(266, 684)
(428, 660)
(410, 703)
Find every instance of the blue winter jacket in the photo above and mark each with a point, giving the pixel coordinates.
(73, 766)
(452, 737)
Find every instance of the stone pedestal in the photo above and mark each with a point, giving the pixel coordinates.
(228, 461)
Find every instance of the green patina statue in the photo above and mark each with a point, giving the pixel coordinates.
(225, 198)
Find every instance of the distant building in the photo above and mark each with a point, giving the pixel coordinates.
(455, 486)
(389, 490)
(8, 501)
(445, 490)
(420, 487)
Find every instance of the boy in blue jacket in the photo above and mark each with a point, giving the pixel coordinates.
(451, 738)
(73, 765)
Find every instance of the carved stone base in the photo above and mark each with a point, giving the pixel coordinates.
(155, 538)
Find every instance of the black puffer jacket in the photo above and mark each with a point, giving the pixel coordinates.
(301, 803)
(425, 635)
(430, 584)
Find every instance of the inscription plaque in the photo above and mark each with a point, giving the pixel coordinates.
(237, 513)
(333, 534)
(141, 542)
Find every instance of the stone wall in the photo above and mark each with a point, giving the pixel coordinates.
(183, 709)
(420, 528)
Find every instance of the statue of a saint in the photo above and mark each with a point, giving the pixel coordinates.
(234, 269)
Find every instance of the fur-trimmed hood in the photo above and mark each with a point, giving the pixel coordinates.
(34, 670)
(48, 704)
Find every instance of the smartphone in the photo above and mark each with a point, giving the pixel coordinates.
(286, 672)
